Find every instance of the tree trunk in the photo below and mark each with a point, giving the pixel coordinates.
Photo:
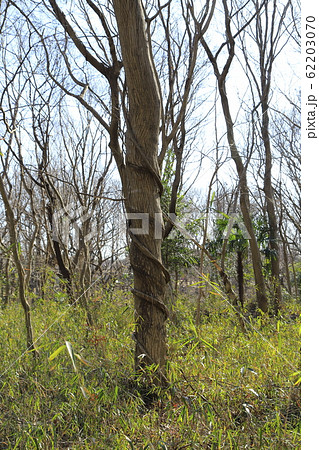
(270, 204)
(262, 301)
(201, 266)
(142, 187)
(240, 277)
(20, 271)
(285, 253)
(244, 202)
(7, 290)
(64, 272)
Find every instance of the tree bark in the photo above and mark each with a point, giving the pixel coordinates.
(240, 277)
(142, 187)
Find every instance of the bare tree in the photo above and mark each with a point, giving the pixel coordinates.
(8, 125)
(14, 242)
(137, 101)
(268, 33)
(241, 168)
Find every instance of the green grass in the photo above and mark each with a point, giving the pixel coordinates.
(209, 403)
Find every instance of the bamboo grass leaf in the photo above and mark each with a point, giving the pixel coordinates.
(71, 353)
(56, 352)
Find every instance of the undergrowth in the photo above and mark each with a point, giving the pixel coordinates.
(226, 389)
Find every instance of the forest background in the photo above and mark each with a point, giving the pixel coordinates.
(77, 102)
